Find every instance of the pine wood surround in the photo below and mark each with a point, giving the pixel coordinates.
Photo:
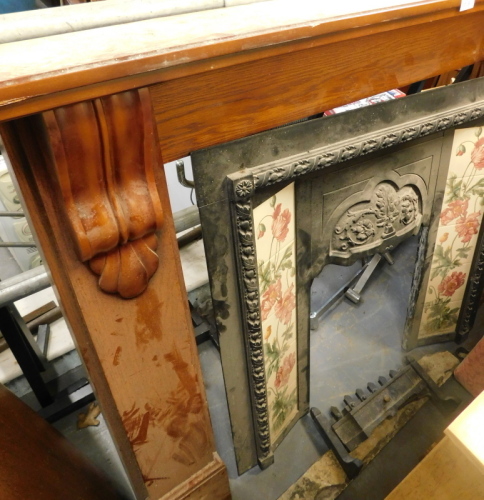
(203, 78)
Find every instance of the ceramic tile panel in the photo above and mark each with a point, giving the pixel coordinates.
(467, 146)
(440, 320)
(275, 246)
(449, 246)
(274, 223)
(459, 225)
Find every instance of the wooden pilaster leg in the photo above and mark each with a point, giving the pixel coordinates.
(92, 179)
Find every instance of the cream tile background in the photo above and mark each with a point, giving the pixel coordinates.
(463, 170)
(269, 249)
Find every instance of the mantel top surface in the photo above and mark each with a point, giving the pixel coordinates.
(51, 64)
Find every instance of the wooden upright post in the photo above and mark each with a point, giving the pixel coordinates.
(92, 179)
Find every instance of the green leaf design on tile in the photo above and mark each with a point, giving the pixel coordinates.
(288, 333)
(282, 406)
(463, 252)
(440, 315)
(453, 189)
(273, 356)
(477, 188)
(443, 261)
(265, 276)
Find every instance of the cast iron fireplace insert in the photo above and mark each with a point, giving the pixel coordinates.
(278, 206)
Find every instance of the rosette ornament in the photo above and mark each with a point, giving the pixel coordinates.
(104, 154)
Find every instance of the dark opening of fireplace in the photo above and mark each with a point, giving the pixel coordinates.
(353, 344)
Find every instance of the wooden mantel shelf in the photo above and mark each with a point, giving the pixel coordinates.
(318, 50)
(83, 117)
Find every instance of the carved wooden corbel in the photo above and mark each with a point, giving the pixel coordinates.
(104, 152)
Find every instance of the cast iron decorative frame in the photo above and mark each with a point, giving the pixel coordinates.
(247, 263)
(314, 161)
(243, 186)
(250, 170)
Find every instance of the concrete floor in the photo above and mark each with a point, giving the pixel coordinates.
(353, 345)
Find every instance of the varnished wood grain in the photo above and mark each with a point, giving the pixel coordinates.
(141, 353)
(104, 153)
(37, 462)
(169, 48)
(206, 484)
(229, 103)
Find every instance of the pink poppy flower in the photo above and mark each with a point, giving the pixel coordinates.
(468, 226)
(477, 155)
(280, 223)
(456, 208)
(270, 297)
(451, 283)
(282, 375)
(286, 305)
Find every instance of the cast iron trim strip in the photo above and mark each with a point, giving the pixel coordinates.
(320, 158)
(249, 291)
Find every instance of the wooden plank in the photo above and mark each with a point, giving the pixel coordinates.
(444, 474)
(56, 70)
(39, 311)
(209, 484)
(140, 353)
(55, 21)
(229, 103)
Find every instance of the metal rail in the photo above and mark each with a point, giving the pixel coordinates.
(36, 279)
(22, 285)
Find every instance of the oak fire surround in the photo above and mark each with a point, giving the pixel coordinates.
(212, 77)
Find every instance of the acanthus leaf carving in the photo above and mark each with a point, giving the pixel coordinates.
(366, 226)
(104, 154)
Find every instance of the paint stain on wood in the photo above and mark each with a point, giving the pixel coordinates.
(184, 403)
(150, 480)
(137, 422)
(148, 318)
(117, 354)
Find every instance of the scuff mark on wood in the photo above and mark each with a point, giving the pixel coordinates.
(117, 355)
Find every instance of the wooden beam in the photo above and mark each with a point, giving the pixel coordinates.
(237, 101)
(53, 71)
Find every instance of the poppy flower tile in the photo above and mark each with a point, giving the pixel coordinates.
(275, 247)
(459, 226)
